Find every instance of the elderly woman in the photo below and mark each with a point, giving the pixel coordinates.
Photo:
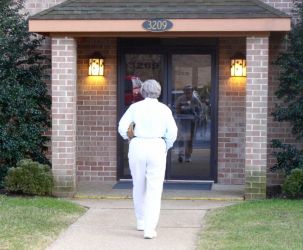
(155, 132)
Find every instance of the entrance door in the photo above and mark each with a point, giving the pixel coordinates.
(190, 100)
(187, 81)
(135, 69)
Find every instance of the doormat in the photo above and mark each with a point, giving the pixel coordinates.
(170, 186)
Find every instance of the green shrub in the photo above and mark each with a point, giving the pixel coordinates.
(289, 107)
(30, 178)
(24, 99)
(293, 185)
(288, 157)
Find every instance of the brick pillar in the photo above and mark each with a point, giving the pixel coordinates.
(256, 117)
(64, 97)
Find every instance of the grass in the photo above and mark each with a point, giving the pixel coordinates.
(34, 222)
(269, 224)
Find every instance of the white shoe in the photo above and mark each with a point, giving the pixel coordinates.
(140, 225)
(150, 234)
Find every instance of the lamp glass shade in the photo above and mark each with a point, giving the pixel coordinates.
(96, 67)
(238, 67)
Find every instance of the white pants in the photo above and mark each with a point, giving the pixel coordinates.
(147, 160)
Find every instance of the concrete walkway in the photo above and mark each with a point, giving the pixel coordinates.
(106, 190)
(109, 224)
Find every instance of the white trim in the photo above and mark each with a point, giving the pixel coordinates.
(179, 25)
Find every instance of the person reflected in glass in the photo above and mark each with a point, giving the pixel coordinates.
(154, 132)
(189, 111)
(204, 117)
(132, 90)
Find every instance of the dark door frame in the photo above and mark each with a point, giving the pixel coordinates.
(167, 48)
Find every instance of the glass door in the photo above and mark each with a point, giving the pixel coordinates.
(190, 101)
(138, 68)
(188, 88)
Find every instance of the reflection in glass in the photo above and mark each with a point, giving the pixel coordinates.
(191, 89)
(139, 68)
(189, 99)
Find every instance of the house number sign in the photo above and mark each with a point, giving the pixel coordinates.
(157, 25)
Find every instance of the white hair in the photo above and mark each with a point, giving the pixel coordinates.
(151, 89)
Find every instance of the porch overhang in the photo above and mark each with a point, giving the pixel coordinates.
(185, 26)
(192, 16)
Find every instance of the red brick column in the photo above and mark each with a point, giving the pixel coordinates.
(256, 117)
(64, 97)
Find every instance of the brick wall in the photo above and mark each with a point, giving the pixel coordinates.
(35, 6)
(283, 5)
(96, 113)
(96, 107)
(256, 117)
(64, 96)
(231, 115)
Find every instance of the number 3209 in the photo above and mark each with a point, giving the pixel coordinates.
(157, 25)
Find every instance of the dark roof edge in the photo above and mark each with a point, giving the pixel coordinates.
(110, 19)
(274, 11)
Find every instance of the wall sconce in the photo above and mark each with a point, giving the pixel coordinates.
(238, 65)
(96, 65)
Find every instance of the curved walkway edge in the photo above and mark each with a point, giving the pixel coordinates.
(109, 224)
